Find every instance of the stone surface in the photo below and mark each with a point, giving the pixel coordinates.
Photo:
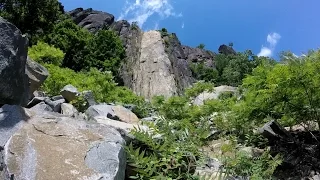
(90, 19)
(69, 110)
(55, 98)
(199, 100)
(226, 50)
(88, 96)
(37, 74)
(55, 105)
(42, 106)
(197, 55)
(112, 112)
(69, 92)
(272, 130)
(13, 56)
(154, 68)
(50, 146)
(35, 101)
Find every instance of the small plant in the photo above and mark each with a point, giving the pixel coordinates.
(201, 46)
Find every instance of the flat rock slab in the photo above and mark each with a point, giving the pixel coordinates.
(51, 146)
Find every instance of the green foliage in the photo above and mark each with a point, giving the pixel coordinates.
(256, 168)
(201, 46)
(31, 16)
(168, 151)
(72, 40)
(84, 50)
(164, 32)
(231, 44)
(198, 88)
(201, 72)
(105, 52)
(100, 83)
(286, 92)
(44, 53)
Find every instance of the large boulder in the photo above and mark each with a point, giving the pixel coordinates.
(13, 56)
(40, 145)
(118, 113)
(226, 50)
(69, 92)
(199, 100)
(37, 75)
(91, 19)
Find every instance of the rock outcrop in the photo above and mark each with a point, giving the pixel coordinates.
(44, 145)
(90, 19)
(151, 57)
(226, 50)
(14, 87)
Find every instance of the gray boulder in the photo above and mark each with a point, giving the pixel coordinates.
(91, 19)
(36, 100)
(13, 55)
(55, 98)
(42, 106)
(69, 110)
(37, 75)
(199, 100)
(112, 112)
(51, 146)
(226, 50)
(55, 105)
(88, 96)
(69, 92)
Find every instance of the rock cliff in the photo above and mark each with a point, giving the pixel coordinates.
(156, 63)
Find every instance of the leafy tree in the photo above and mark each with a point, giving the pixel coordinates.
(44, 53)
(201, 72)
(105, 52)
(72, 40)
(31, 16)
(286, 92)
(231, 44)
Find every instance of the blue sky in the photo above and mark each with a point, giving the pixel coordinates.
(266, 27)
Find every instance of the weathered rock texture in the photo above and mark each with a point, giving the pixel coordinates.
(156, 63)
(13, 55)
(90, 19)
(37, 74)
(38, 145)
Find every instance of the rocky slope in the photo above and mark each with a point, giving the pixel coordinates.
(153, 57)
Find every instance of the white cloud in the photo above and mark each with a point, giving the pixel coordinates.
(273, 40)
(141, 10)
(182, 26)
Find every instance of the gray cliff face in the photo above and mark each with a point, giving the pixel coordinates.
(155, 64)
(197, 55)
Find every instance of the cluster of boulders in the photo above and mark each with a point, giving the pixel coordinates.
(47, 137)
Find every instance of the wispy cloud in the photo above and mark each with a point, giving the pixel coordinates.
(141, 10)
(272, 40)
(182, 26)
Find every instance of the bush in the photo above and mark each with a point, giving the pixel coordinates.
(201, 72)
(72, 40)
(44, 53)
(101, 84)
(105, 52)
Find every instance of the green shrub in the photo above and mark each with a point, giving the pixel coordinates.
(201, 72)
(72, 40)
(105, 52)
(44, 53)
(101, 84)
